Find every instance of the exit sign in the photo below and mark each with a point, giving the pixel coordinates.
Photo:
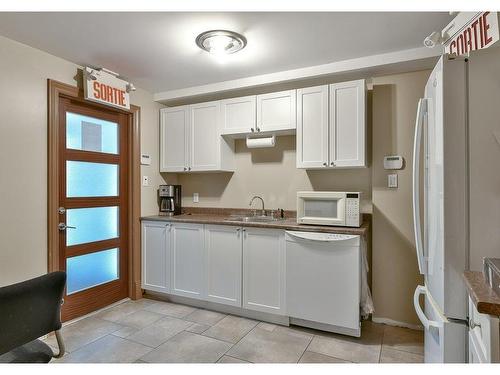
(471, 31)
(105, 88)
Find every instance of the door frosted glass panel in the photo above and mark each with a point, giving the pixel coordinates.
(91, 134)
(92, 224)
(320, 208)
(89, 270)
(91, 179)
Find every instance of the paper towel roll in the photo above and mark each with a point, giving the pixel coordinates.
(261, 142)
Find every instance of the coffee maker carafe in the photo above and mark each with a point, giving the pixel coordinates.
(169, 199)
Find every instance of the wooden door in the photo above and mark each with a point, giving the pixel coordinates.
(93, 206)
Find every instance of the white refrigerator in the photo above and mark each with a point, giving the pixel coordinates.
(456, 193)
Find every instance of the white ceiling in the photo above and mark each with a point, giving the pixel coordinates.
(157, 50)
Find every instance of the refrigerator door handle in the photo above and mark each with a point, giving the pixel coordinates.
(422, 290)
(417, 225)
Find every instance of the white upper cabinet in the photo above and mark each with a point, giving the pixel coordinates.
(312, 127)
(331, 126)
(191, 142)
(204, 136)
(264, 270)
(173, 139)
(276, 111)
(188, 260)
(238, 115)
(347, 124)
(223, 264)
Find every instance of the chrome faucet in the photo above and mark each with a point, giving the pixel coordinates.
(262, 200)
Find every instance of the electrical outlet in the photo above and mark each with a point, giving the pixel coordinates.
(196, 197)
(145, 180)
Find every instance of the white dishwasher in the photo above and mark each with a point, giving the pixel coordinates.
(323, 281)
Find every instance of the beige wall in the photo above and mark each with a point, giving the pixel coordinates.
(23, 155)
(272, 174)
(394, 265)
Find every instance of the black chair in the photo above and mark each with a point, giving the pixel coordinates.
(29, 310)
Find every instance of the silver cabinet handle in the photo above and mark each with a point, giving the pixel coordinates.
(325, 164)
(185, 168)
(189, 168)
(332, 163)
(252, 129)
(238, 229)
(63, 226)
(258, 129)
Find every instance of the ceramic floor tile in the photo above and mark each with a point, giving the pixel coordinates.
(160, 331)
(140, 319)
(109, 349)
(205, 317)
(279, 346)
(228, 359)
(187, 347)
(347, 349)
(404, 339)
(82, 332)
(197, 328)
(118, 312)
(171, 309)
(311, 357)
(267, 326)
(125, 332)
(389, 355)
(231, 328)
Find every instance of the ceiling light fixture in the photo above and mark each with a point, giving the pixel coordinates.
(221, 42)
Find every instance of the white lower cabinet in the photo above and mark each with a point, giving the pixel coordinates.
(484, 336)
(156, 256)
(188, 262)
(223, 264)
(264, 270)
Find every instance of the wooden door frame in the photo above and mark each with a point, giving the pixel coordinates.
(56, 90)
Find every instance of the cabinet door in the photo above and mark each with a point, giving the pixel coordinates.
(223, 264)
(238, 115)
(347, 124)
(187, 260)
(277, 111)
(204, 145)
(312, 127)
(264, 270)
(156, 256)
(173, 139)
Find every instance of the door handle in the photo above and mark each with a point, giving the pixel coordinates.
(62, 227)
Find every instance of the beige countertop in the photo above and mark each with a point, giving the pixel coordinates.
(286, 224)
(485, 299)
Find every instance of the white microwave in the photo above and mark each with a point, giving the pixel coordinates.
(329, 208)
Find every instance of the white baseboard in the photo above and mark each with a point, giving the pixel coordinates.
(396, 323)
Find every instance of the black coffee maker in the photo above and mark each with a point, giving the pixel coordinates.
(169, 199)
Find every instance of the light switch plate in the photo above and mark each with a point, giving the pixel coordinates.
(145, 180)
(196, 197)
(392, 180)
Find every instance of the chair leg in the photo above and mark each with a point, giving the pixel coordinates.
(60, 344)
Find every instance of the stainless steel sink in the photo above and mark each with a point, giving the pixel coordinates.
(253, 219)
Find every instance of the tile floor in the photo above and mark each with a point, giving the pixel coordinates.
(162, 332)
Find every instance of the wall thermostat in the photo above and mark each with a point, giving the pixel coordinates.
(393, 162)
(145, 159)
